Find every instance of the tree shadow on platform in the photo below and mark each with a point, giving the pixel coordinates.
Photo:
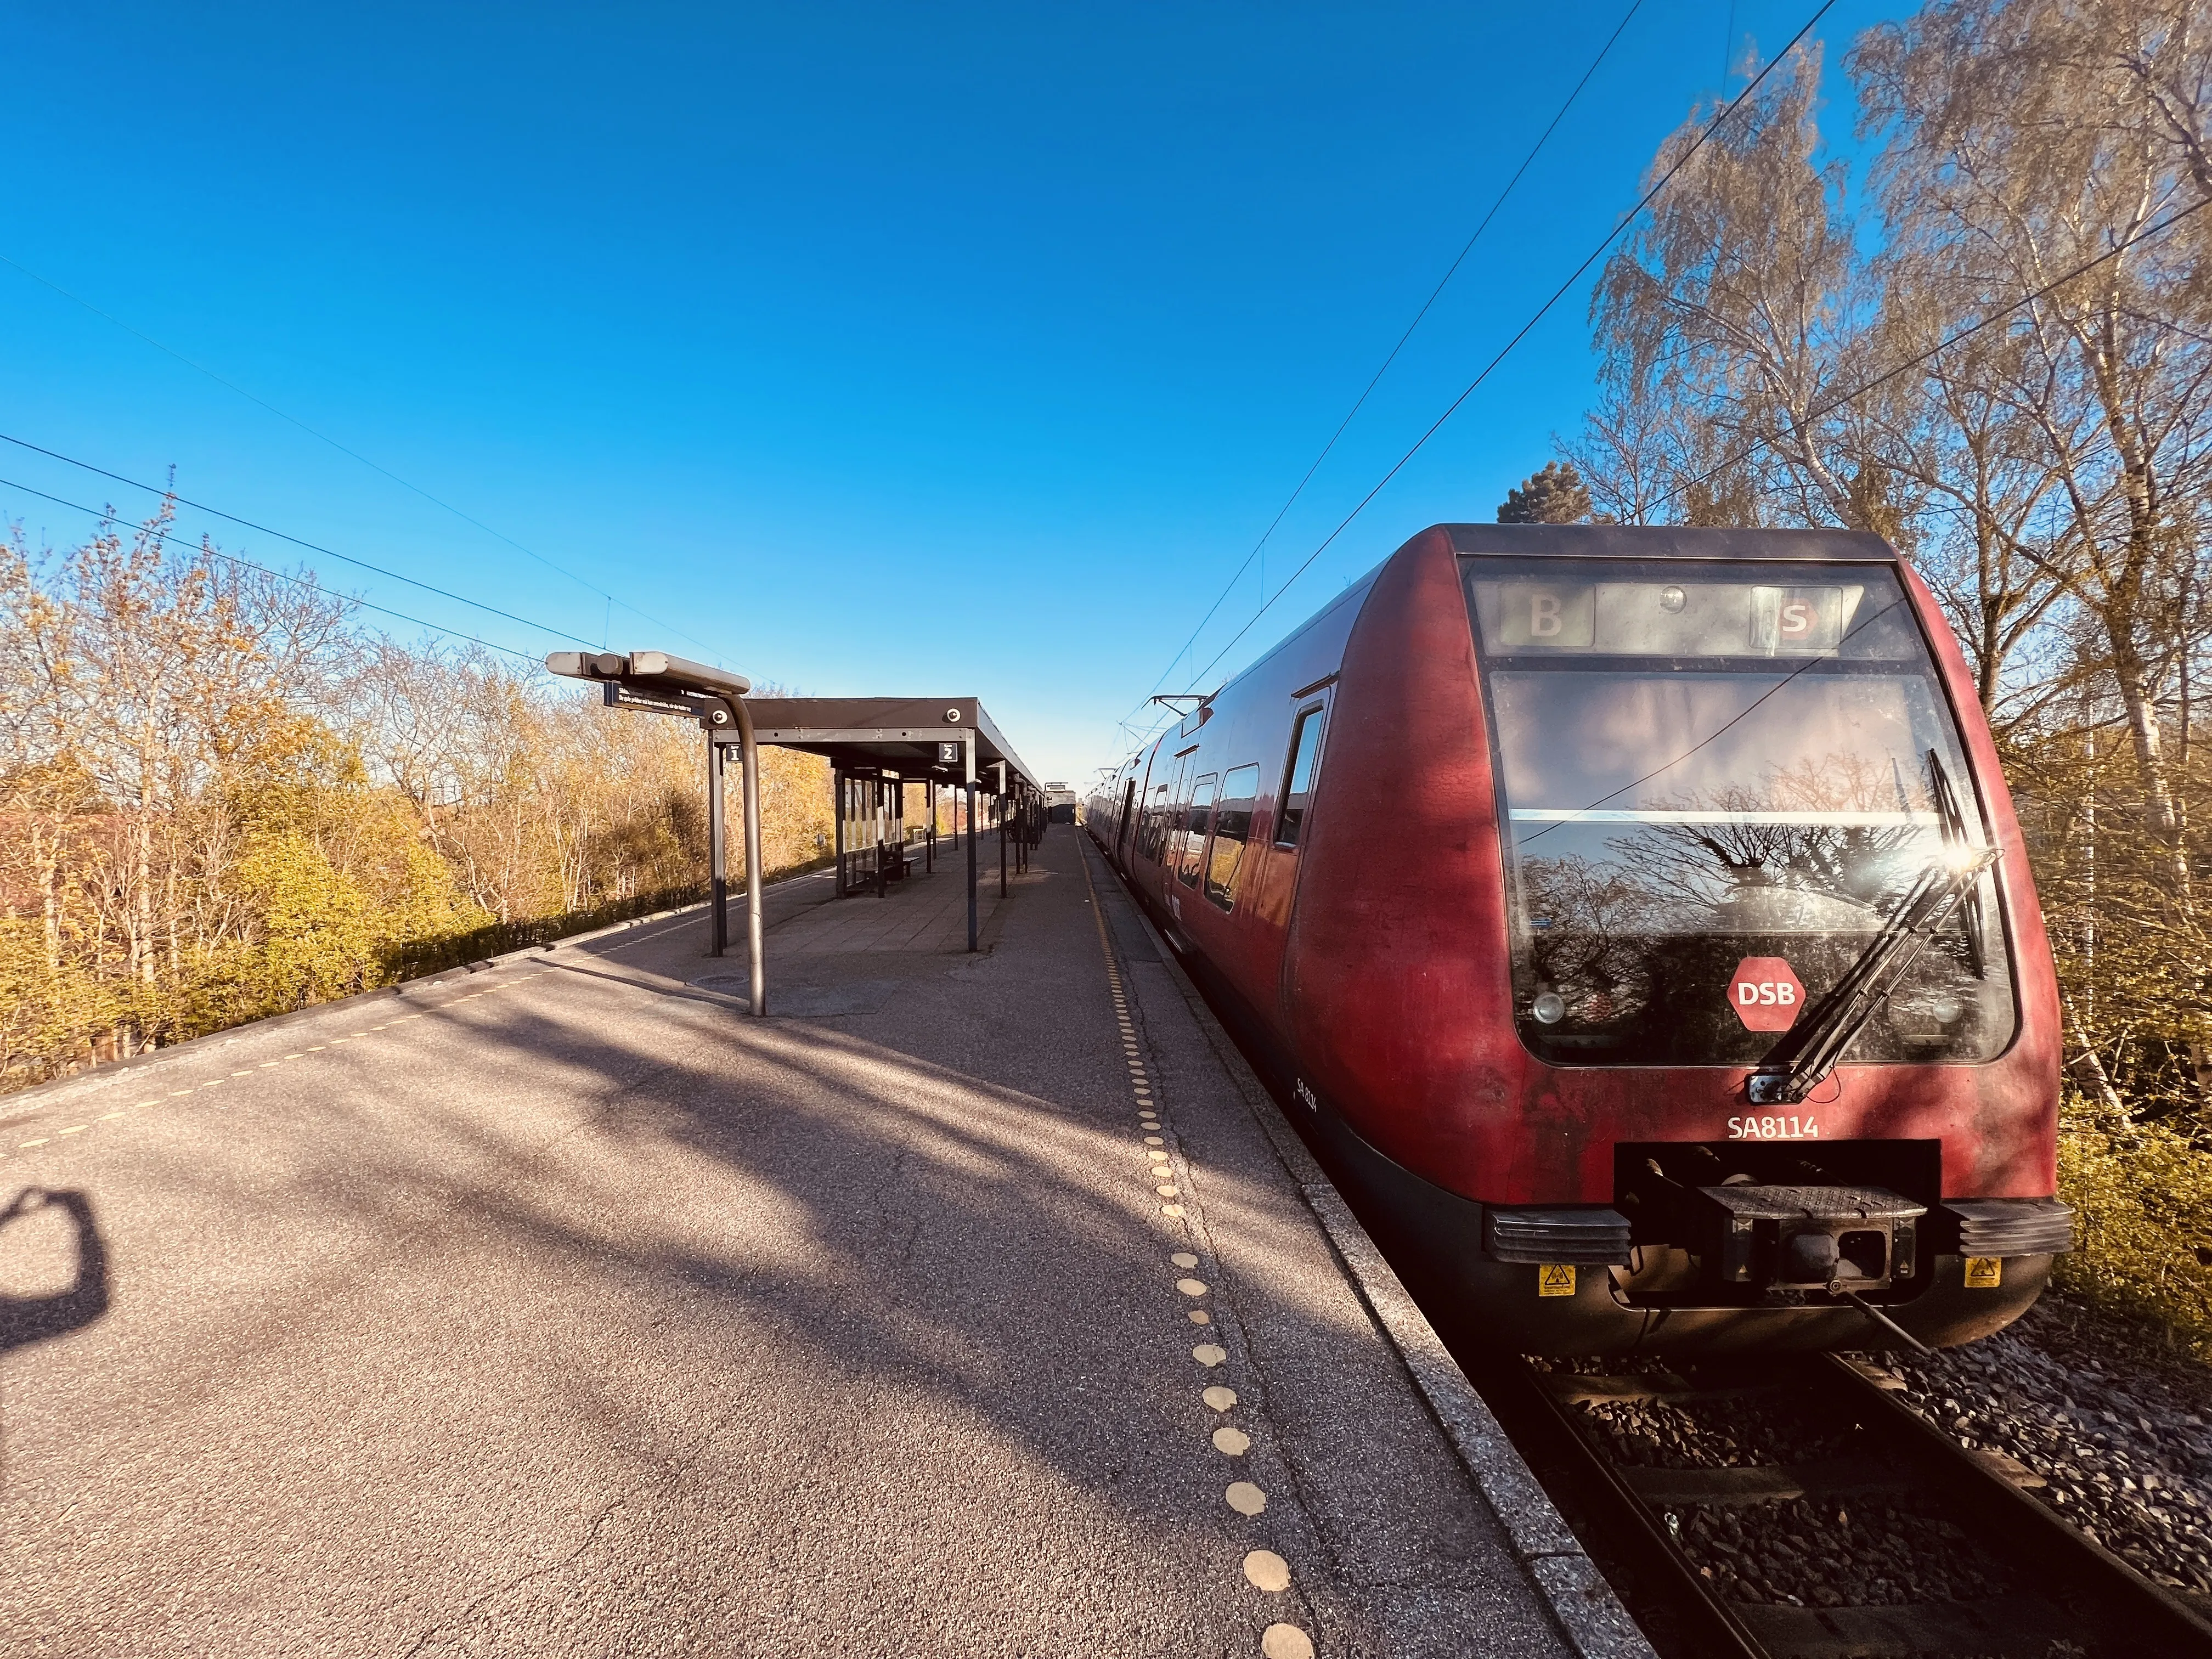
(905, 1236)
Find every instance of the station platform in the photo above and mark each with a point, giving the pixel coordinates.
(565, 1309)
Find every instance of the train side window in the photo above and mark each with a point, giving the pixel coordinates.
(1195, 825)
(1298, 776)
(1232, 828)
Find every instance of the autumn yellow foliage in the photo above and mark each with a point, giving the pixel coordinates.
(221, 797)
(2143, 1196)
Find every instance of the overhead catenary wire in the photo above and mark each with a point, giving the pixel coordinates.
(1559, 292)
(2155, 228)
(168, 494)
(164, 537)
(353, 455)
(1427, 305)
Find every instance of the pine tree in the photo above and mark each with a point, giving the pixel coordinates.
(1555, 496)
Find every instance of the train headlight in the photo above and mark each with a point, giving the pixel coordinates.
(1550, 1008)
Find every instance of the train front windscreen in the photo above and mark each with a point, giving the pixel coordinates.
(1716, 782)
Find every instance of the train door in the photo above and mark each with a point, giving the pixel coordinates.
(1232, 828)
(1190, 841)
(1122, 826)
(1160, 813)
(1290, 821)
(1169, 846)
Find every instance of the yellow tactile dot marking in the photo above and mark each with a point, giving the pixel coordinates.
(1267, 1571)
(1263, 1569)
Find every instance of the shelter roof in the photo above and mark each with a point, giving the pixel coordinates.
(897, 734)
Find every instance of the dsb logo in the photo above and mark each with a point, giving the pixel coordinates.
(1765, 994)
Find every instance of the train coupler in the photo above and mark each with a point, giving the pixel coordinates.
(1809, 1239)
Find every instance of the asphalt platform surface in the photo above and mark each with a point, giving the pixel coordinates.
(563, 1308)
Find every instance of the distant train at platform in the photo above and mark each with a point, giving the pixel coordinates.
(1635, 923)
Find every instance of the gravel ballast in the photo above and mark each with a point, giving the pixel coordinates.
(2113, 1421)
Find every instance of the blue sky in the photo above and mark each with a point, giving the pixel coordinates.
(866, 348)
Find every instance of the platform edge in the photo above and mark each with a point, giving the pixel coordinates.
(1583, 1602)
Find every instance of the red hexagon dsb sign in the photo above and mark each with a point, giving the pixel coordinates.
(1765, 994)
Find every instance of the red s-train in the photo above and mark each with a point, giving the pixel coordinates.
(1547, 875)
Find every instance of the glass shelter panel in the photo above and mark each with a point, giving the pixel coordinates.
(1705, 770)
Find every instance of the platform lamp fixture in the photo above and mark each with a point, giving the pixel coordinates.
(655, 683)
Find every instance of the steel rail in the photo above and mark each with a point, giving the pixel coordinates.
(2071, 1586)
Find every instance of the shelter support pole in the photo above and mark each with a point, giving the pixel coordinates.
(718, 885)
(971, 844)
(756, 957)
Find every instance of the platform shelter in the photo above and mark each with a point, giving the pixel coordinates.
(876, 746)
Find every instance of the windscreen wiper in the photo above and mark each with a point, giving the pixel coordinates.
(1802, 1059)
(1952, 820)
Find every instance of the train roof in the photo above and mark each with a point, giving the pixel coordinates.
(1635, 541)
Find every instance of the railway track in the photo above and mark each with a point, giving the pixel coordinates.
(1793, 1510)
